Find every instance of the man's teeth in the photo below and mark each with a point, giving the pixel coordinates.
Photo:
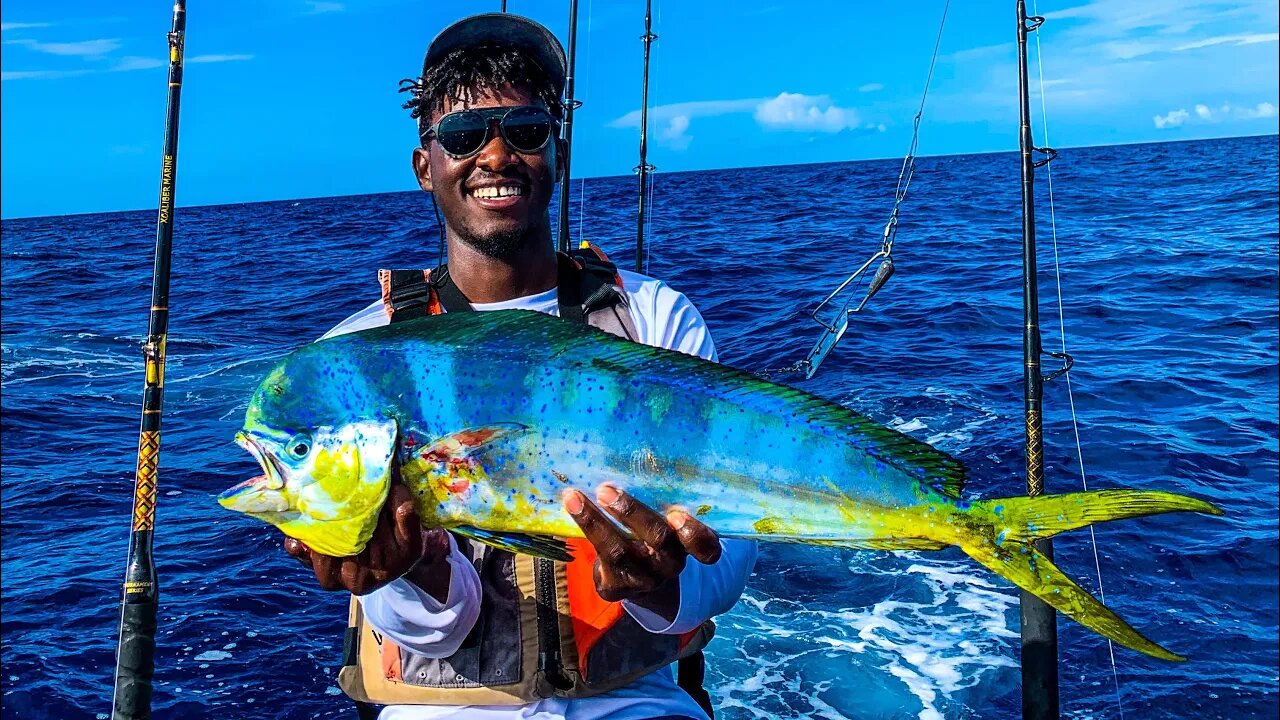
(490, 193)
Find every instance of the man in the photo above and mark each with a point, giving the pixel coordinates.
(452, 619)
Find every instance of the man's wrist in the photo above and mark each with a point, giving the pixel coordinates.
(663, 601)
(432, 574)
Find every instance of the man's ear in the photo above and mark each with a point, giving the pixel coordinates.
(422, 169)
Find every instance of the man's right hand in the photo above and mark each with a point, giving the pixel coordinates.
(399, 546)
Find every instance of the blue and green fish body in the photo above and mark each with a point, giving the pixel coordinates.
(489, 417)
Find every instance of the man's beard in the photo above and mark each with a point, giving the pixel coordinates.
(504, 244)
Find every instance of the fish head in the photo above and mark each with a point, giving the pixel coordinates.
(326, 468)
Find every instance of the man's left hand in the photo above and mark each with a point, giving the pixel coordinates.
(645, 568)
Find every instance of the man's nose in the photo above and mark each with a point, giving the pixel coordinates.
(496, 155)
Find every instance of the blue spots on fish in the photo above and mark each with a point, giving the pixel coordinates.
(999, 510)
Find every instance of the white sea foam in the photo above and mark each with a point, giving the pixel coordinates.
(944, 630)
(907, 426)
(211, 655)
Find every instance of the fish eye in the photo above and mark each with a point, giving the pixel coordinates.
(299, 447)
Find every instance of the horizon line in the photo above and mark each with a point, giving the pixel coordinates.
(673, 172)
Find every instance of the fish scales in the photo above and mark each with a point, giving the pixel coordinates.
(489, 417)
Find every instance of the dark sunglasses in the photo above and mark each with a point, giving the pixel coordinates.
(525, 129)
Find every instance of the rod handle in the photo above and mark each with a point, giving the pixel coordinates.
(135, 664)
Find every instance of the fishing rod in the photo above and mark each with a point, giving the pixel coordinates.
(1039, 622)
(135, 653)
(570, 104)
(644, 168)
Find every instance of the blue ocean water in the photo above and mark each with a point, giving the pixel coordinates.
(1168, 259)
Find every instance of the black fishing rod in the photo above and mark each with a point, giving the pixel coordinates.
(1039, 626)
(570, 104)
(135, 653)
(644, 167)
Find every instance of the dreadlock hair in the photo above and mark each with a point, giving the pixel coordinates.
(464, 72)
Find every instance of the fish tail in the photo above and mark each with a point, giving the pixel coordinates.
(1005, 547)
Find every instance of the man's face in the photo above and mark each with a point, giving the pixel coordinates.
(496, 199)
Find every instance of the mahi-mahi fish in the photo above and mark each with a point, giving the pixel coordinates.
(488, 417)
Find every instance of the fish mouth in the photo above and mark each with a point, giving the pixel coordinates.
(260, 494)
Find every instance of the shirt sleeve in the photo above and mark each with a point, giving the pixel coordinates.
(416, 621)
(705, 590)
(667, 319)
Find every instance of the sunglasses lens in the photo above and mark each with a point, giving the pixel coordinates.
(527, 128)
(462, 133)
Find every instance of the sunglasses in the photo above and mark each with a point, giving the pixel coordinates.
(525, 129)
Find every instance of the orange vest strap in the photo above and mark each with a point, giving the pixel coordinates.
(592, 615)
(587, 245)
(406, 290)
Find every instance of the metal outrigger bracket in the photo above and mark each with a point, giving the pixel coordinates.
(835, 329)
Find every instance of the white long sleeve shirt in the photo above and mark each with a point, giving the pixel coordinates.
(418, 622)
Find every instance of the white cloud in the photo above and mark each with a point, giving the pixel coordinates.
(674, 134)
(1172, 119)
(135, 62)
(21, 26)
(793, 111)
(1262, 110)
(1130, 49)
(217, 58)
(40, 74)
(84, 48)
(982, 53)
(1245, 39)
(1224, 113)
(318, 8)
(870, 87)
(702, 108)
(125, 64)
(787, 111)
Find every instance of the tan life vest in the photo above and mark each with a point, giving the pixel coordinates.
(543, 631)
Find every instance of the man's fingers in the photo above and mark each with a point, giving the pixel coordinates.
(698, 540)
(408, 528)
(298, 549)
(600, 532)
(645, 522)
(327, 571)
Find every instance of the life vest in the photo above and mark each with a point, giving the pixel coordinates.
(543, 630)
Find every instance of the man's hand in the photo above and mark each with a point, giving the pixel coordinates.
(399, 544)
(644, 569)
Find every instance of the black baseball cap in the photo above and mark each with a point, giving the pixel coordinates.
(503, 29)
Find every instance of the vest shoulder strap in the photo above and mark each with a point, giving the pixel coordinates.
(589, 291)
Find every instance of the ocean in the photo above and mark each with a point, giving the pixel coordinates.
(1168, 266)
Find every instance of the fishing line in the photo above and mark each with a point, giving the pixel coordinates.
(586, 87)
(653, 221)
(1062, 332)
(833, 331)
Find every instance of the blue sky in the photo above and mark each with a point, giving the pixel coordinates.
(297, 98)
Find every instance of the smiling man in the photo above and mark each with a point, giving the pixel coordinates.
(445, 627)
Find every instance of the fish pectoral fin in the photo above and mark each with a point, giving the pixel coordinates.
(540, 546)
(465, 443)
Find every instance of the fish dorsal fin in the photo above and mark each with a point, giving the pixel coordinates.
(466, 443)
(540, 546)
(507, 335)
(950, 481)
